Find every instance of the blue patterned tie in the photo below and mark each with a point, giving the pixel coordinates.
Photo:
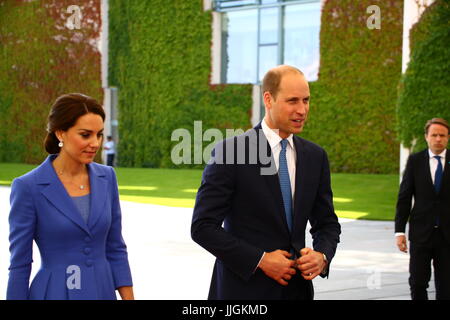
(438, 174)
(285, 184)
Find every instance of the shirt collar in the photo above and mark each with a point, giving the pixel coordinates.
(273, 138)
(442, 154)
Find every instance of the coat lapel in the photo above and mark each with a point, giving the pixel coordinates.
(56, 194)
(99, 192)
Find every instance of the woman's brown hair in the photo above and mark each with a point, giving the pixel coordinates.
(64, 114)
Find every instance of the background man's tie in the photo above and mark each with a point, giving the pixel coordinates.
(438, 180)
(285, 184)
(438, 174)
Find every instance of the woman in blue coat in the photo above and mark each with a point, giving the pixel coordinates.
(69, 206)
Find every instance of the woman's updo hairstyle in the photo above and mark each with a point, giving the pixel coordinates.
(64, 114)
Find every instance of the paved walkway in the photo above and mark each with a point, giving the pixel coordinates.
(167, 265)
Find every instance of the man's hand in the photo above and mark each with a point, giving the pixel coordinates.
(401, 243)
(311, 263)
(277, 266)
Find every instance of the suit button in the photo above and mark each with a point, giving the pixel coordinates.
(87, 239)
(87, 251)
(89, 262)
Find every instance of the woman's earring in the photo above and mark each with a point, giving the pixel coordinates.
(60, 144)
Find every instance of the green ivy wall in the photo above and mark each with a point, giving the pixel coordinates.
(160, 59)
(425, 87)
(354, 101)
(41, 59)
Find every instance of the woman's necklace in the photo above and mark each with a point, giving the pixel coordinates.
(80, 186)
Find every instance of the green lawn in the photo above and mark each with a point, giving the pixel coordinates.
(365, 196)
(356, 196)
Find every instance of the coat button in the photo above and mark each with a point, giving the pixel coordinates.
(87, 239)
(89, 262)
(87, 250)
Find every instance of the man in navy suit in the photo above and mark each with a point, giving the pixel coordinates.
(256, 196)
(427, 179)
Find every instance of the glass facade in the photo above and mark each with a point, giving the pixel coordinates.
(260, 34)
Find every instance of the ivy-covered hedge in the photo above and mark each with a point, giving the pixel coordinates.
(41, 59)
(160, 59)
(354, 101)
(425, 86)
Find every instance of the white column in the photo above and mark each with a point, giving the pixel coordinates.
(412, 11)
(216, 44)
(207, 5)
(104, 69)
(256, 104)
(216, 48)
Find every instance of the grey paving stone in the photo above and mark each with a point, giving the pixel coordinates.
(167, 265)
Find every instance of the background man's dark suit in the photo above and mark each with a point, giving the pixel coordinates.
(428, 207)
(251, 207)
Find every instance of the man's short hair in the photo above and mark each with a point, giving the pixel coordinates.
(272, 78)
(440, 121)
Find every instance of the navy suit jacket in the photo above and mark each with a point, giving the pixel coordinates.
(429, 205)
(42, 210)
(250, 206)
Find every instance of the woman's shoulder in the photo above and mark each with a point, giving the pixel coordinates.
(30, 177)
(27, 178)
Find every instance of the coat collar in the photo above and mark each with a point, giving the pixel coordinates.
(54, 191)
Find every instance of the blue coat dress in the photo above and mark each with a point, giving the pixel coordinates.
(78, 260)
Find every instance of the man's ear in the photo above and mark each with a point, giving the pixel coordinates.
(267, 97)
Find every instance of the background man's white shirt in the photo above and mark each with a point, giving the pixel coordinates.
(110, 146)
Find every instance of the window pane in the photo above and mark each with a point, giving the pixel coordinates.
(301, 38)
(268, 31)
(240, 43)
(268, 1)
(268, 57)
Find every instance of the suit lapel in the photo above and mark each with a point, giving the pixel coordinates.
(300, 172)
(99, 193)
(426, 166)
(446, 174)
(273, 183)
(53, 189)
(271, 180)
